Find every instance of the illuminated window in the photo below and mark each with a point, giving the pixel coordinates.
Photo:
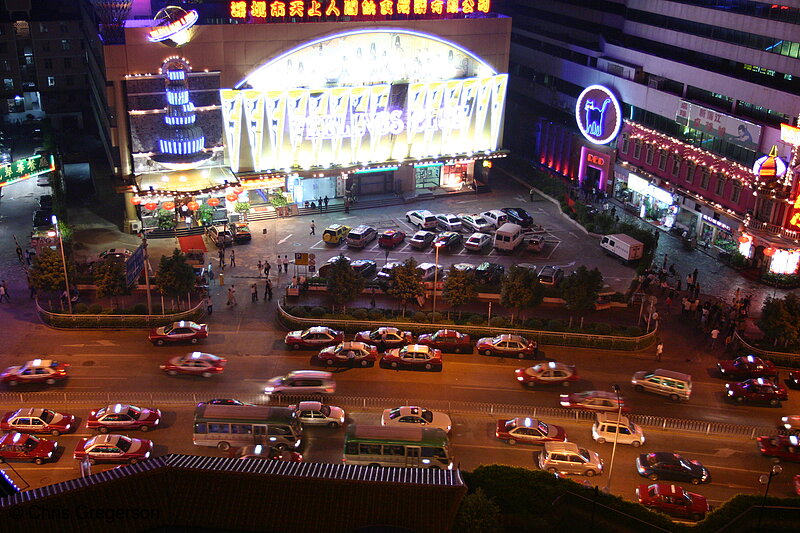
(351, 8)
(238, 10)
(314, 9)
(648, 158)
(468, 6)
(404, 7)
(704, 178)
(626, 143)
(637, 149)
(387, 7)
(51, 81)
(690, 166)
(332, 9)
(452, 6)
(368, 7)
(277, 9)
(258, 9)
(437, 6)
(719, 188)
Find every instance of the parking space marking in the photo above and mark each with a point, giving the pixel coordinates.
(285, 239)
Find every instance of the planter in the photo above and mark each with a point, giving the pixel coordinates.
(548, 300)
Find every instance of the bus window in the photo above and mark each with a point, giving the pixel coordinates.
(242, 429)
(412, 451)
(389, 449)
(219, 428)
(351, 448)
(370, 449)
(200, 428)
(433, 452)
(279, 430)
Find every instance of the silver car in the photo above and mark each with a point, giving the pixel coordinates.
(318, 414)
(568, 458)
(476, 222)
(448, 222)
(478, 242)
(301, 382)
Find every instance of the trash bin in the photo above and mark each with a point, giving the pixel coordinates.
(221, 279)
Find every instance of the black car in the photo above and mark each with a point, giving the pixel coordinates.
(673, 466)
(489, 272)
(364, 267)
(793, 381)
(449, 240)
(517, 215)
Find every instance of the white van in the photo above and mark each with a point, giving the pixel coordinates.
(609, 426)
(625, 247)
(496, 217)
(508, 237)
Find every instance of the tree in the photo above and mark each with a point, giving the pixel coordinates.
(47, 271)
(243, 208)
(520, 289)
(779, 320)
(580, 289)
(165, 219)
(478, 513)
(109, 277)
(459, 288)
(344, 283)
(175, 277)
(406, 283)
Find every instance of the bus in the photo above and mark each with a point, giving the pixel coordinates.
(224, 426)
(391, 446)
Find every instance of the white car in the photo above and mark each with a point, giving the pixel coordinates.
(428, 270)
(318, 414)
(448, 222)
(422, 218)
(475, 222)
(478, 242)
(416, 416)
(386, 270)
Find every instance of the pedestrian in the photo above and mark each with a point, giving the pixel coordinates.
(267, 268)
(222, 258)
(313, 228)
(372, 299)
(696, 290)
(4, 292)
(326, 202)
(260, 268)
(714, 336)
(233, 258)
(659, 350)
(210, 274)
(694, 276)
(209, 307)
(253, 293)
(280, 264)
(319, 204)
(347, 205)
(286, 263)
(672, 269)
(678, 284)
(28, 255)
(531, 193)
(19, 253)
(232, 296)
(269, 290)
(689, 282)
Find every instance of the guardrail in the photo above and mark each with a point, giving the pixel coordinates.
(158, 399)
(582, 340)
(67, 321)
(781, 358)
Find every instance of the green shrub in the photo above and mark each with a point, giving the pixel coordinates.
(590, 227)
(95, 309)
(498, 322)
(420, 317)
(81, 309)
(633, 331)
(298, 311)
(603, 329)
(436, 317)
(375, 314)
(534, 323)
(317, 312)
(477, 320)
(360, 313)
(140, 309)
(556, 325)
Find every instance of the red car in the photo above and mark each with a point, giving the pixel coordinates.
(349, 353)
(528, 430)
(447, 340)
(673, 500)
(195, 364)
(783, 447)
(36, 371)
(757, 390)
(385, 336)
(507, 345)
(22, 447)
(746, 368)
(183, 331)
(257, 451)
(547, 374)
(413, 356)
(316, 337)
(120, 416)
(593, 400)
(113, 449)
(391, 238)
(37, 421)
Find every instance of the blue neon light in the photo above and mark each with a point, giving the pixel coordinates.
(369, 170)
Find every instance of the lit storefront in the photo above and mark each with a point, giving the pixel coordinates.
(646, 200)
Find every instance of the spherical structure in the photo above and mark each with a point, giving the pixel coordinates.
(744, 238)
(193, 206)
(213, 202)
(232, 197)
(169, 206)
(136, 200)
(769, 252)
(150, 206)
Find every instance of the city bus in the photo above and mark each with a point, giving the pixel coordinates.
(224, 426)
(391, 446)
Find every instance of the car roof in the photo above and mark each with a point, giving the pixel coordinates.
(13, 436)
(313, 406)
(555, 446)
(117, 408)
(310, 374)
(672, 374)
(104, 439)
(335, 226)
(509, 337)
(410, 409)
(28, 411)
(318, 329)
(201, 356)
(38, 363)
(353, 344)
(613, 418)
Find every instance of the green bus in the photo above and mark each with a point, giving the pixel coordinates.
(415, 447)
(224, 426)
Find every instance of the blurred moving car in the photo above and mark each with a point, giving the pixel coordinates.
(113, 449)
(300, 382)
(549, 373)
(313, 337)
(36, 371)
(528, 430)
(183, 331)
(673, 500)
(593, 400)
(123, 416)
(789, 425)
(414, 416)
(36, 420)
(780, 447)
(349, 353)
(671, 466)
(746, 367)
(447, 340)
(269, 453)
(224, 401)
(413, 356)
(195, 364)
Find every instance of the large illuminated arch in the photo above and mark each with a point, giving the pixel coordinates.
(366, 56)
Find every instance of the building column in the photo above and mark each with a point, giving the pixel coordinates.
(123, 138)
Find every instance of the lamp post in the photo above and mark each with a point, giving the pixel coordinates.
(616, 436)
(54, 219)
(435, 278)
(766, 479)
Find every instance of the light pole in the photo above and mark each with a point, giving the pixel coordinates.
(616, 436)
(766, 479)
(435, 279)
(54, 219)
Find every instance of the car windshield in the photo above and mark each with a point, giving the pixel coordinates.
(47, 416)
(394, 413)
(427, 415)
(497, 340)
(167, 329)
(543, 428)
(511, 424)
(134, 411)
(124, 444)
(584, 453)
(480, 220)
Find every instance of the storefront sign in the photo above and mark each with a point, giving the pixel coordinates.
(732, 129)
(713, 221)
(598, 114)
(595, 160)
(642, 186)
(170, 22)
(784, 261)
(25, 168)
(264, 183)
(278, 10)
(790, 134)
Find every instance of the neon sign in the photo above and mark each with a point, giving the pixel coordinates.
(172, 24)
(598, 114)
(25, 168)
(790, 134)
(261, 10)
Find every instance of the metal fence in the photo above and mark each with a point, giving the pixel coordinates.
(781, 358)
(582, 340)
(67, 321)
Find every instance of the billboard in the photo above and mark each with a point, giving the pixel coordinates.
(732, 129)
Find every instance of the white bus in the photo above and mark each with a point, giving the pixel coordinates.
(392, 446)
(224, 426)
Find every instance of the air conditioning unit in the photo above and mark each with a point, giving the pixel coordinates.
(135, 225)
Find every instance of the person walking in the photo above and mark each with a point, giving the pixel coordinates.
(268, 291)
(260, 268)
(233, 258)
(313, 228)
(267, 268)
(286, 263)
(714, 337)
(659, 350)
(326, 202)
(210, 274)
(253, 293)
(232, 296)
(319, 204)
(209, 305)
(19, 253)
(222, 258)
(4, 292)
(531, 193)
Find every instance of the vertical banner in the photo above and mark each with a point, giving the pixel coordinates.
(433, 116)
(498, 101)
(482, 141)
(275, 104)
(297, 102)
(379, 109)
(359, 107)
(415, 116)
(339, 103)
(452, 95)
(254, 115)
(468, 97)
(317, 111)
(231, 102)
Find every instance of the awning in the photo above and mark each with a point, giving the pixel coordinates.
(192, 181)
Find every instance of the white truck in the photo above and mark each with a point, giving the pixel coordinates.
(621, 245)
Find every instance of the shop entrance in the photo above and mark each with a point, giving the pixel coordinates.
(373, 183)
(592, 178)
(427, 177)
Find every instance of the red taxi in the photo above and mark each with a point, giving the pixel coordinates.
(32, 420)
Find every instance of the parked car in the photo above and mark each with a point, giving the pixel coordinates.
(781, 447)
(447, 340)
(593, 400)
(413, 356)
(241, 232)
(534, 243)
(475, 222)
(318, 414)
(365, 267)
(36, 371)
(37, 420)
(349, 353)
(449, 240)
(489, 273)
(313, 337)
(429, 270)
(421, 240)
(422, 218)
(550, 275)
(548, 373)
(507, 345)
(325, 270)
(183, 331)
(385, 336)
(267, 453)
(361, 236)
(746, 367)
(15, 446)
(413, 416)
(195, 364)
(301, 382)
(122, 416)
(568, 458)
(448, 222)
(335, 233)
(113, 449)
(671, 466)
(528, 430)
(220, 235)
(495, 217)
(478, 242)
(115, 254)
(518, 216)
(757, 390)
(673, 500)
(462, 267)
(385, 273)
(391, 238)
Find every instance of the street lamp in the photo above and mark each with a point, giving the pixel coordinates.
(435, 278)
(766, 479)
(616, 436)
(57, 233)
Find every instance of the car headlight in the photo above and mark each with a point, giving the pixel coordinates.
(520, 378)
(147, 455)
(268, 389)
(705, 475)
(730, 392)
(787, 426)
(784, 419)
(297, 443)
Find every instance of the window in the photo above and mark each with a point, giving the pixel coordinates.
(279, 430)
(51, 81)
(200, 428)
(219, 428)
(48, 64)
(690, 166)
(736, 191)
(719, 189)
(637, 149)
(394, 450)
(369, 449)
(8, 84)
(351, 448)
(43, 27)
(242, 429)
(625, 143)
(65, 44)
(649, 157)
(704, 178)
(676, 165)
(662, 160)
(70, 81)
(67, 62)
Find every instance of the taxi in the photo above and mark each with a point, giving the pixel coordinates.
(34, 420)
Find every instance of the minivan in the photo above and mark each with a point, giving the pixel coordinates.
(568, 458)
(221, 236)
(550, 275)
(609, 426)
(301, 382)
(361, 236)
(676, 385)
(507, 237)
(422, 218)
(496, 217)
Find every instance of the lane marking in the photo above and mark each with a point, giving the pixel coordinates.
(46, 467)
(285, 239)
(466, 387)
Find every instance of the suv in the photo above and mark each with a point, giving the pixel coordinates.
(551, 275)
(221, 236)
(301, 382)
(422, 218)
(675, 385)
(361, 236)
(335, 233)
(609, 425)
(568, 458)
(495, 217)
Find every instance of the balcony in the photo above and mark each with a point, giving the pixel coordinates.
(772, 229)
